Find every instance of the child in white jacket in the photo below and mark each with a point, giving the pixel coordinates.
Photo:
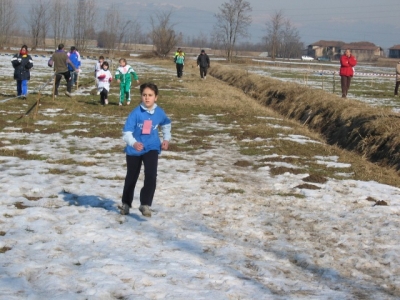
(104, 78)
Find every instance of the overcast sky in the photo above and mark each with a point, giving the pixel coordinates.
(349, 21)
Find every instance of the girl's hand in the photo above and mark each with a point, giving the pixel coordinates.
(119, 81)
(138, 146)
(164, 145)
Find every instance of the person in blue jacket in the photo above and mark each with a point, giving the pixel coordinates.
(143, 145)
(75, 58)
(22, 63)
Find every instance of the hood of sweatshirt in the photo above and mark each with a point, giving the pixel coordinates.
(125, 69)
(150, 111)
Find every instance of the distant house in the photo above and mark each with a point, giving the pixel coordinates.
(394, 52)
(331, 49)
(334, 49)
(364, 50)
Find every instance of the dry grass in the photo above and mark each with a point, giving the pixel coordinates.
(229, 100)
(5, 249)
(20, 205)
(387, 62)
(371, 132)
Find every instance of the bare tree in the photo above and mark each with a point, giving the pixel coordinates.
(102, 39)
(83, 23)
(282, 37)
(291, 46)
(273, 36)
(38, 22)
(61, 20)
(7, 19)
(248, 46)
(124, 31)
(134, 35)
(115, 31)
(163, 35)
(233, 21)
(109, 33)
(200, 41)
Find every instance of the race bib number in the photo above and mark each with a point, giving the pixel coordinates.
(147, 124)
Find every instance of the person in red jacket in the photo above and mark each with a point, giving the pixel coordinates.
(347, 63)
(396, 87)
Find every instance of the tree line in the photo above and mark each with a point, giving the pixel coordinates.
(62, 20)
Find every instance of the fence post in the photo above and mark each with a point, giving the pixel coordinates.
(334, 82)
(37, 105)
(54, 87)
(77, 80)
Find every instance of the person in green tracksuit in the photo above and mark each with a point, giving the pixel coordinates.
(179, 61)
(123, 77)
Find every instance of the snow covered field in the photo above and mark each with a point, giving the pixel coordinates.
(66, 239)
(367, 81)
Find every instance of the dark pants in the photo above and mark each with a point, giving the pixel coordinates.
(396, 88)
(67, 76)
(103, 96)
(179, 70)
(134, 164)
(345, 82)
(203, 72)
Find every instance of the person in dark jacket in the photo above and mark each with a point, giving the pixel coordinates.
(203, 61)
(22, 63)
(347, 64)
(60, 61)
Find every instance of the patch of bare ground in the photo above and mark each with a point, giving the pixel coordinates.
(369, 131)
(308, 186)
(32, 198)
(255, 98)
(20, 205)
(315, 178)
(282, 170)
(243, 163)
(5, 249)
